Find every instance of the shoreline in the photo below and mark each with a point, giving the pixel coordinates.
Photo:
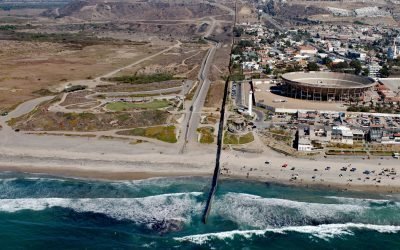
(93, 174)
(84, 174)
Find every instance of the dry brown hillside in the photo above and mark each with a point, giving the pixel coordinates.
(98, 10)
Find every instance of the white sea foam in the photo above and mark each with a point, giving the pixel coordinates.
(177, 206)
(158, 182)
(361, 201)
(260, 212)
(325, 232)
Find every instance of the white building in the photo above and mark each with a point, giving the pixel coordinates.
(307, 50)
(304, 145)
(374, 69)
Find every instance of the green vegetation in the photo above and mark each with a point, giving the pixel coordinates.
(43, 92)
(281, 135)
(207, 135)
(312, 66)
(162, 133)
(230, 138)
(74, 88)
(267, 70)
(141, 79)
(238, 31)
(75, 40)
(359, 109)
(356, 65)
(82, 116)
(385, 71)
(124, 106)
(8, 27)
(237, 77)
(346, 152)
(359, 22)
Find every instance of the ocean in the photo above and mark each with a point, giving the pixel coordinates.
(46, 212)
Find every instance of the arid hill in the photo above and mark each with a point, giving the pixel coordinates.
(96, 10)
(291, 10)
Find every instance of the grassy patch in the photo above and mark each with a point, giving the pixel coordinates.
(346, 152)
(162, 133)
(207, 135)
(230, 138)
(123, 106)
(141, 79)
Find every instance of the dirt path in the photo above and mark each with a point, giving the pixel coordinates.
(177, 45)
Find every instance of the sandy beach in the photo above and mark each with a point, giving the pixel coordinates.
(120, 160)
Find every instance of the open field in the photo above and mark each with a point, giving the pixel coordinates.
(182, 62)
(390, 21)
(26, 67)
(40, 119)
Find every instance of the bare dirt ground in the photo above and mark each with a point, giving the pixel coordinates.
(20, 13)
(321, 13)
(183, 62)
(26, 67)
(389, 21)
(219, 70)
(246, 14)
(343, 4)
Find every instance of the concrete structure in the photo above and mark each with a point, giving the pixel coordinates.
(307, 50)
(251, 103)
(304, 145)
(320, 134)
(342, 134)
(325, 86)
(374, 69)
(303, 140)
(392, 52)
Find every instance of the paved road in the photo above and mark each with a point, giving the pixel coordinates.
(193, 118)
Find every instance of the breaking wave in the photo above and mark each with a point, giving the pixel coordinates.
(364, 202)
(258, 212)
(148, 210)
(325, 232)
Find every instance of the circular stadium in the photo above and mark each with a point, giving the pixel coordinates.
(325, 86)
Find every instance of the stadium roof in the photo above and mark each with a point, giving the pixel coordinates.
(329, 80)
